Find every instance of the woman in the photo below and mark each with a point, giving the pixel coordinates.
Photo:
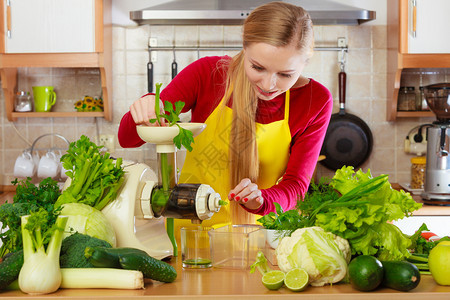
(265, 121)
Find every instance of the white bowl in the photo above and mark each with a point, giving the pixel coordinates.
(273, 237)
(163, 135)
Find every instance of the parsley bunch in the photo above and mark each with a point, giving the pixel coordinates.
(28, 199)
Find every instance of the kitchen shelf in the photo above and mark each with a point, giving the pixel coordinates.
(398, 59)
(56, 114)
(101, 59)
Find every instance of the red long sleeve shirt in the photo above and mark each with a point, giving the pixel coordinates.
(201, 86)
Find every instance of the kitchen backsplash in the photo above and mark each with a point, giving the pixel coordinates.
(366, 91)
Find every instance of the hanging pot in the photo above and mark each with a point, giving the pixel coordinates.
(348, 141)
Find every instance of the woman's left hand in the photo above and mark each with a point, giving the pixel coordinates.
(247, 194)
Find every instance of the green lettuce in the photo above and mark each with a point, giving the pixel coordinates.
(365, 224)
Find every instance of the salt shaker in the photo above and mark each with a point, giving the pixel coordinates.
(23, 102)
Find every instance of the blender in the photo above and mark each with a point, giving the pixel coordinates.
(437, 178)
(143, 213)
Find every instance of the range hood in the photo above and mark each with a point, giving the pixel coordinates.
(233, 12)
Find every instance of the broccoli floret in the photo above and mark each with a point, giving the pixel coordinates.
(72, 250)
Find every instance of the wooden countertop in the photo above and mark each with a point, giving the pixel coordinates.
(216, 283)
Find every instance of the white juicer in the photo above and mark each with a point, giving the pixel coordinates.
(142, 214)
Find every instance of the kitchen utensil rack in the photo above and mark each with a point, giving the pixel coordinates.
(225, 48)
(152, 48)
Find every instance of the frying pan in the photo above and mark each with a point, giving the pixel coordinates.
(348, 141)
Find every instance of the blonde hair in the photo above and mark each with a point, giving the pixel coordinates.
(278, 24)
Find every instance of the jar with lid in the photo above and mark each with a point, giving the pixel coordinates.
(407, 99)
(418, 166)
(23, 102)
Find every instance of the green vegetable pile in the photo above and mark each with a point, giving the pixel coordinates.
(356, 207)
(95, 177)
(28, 199)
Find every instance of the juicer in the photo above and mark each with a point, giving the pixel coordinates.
(437, 177)
(142, 214)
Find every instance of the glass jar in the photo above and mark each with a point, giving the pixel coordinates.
(418, 165)
(422, 101)
(23, 102)
(407, 99)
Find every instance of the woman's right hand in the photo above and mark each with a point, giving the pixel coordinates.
(143, 109)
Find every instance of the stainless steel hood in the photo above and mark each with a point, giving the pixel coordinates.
(233, 12)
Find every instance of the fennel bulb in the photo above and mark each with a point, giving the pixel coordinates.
(40, 273)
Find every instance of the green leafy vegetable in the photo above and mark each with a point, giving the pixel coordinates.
(95, 177)
(280, 220)
(28, 198)
(172, 116)
(370, 204)
(323, 255)
(88, 220)
(356, 207)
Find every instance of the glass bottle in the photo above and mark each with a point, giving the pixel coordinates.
(23, 102)
(418, 165)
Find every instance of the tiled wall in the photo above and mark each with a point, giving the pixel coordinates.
(366, 90)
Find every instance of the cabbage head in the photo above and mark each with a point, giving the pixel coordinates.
(88, 220)
(323, 255)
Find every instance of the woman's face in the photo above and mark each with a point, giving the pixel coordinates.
(272, 70)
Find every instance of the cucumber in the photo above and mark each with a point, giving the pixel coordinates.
(400, 275)
(10, 268)
(102, 257)
(149, 266)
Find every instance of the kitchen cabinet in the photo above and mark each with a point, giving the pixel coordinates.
(45, 26)
(29, 39)
(429, 49)
(428, 25)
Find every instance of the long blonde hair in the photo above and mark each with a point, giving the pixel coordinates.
(278, 24)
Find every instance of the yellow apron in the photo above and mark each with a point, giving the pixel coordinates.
(207, 163)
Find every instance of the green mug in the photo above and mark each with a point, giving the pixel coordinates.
(44, 98)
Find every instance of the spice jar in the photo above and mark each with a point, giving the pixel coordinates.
(407, 99)
(418, 165)
(23, 102)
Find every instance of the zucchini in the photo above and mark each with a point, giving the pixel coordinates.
(149, 266)
(102, 257)
(400, 275)
(10, 268)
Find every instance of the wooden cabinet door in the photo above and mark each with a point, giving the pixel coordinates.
(49, 26)
(429, 26)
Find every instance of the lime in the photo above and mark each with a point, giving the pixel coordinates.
(273, 280)
(296, 279)
(365, 273)
(439, 262)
